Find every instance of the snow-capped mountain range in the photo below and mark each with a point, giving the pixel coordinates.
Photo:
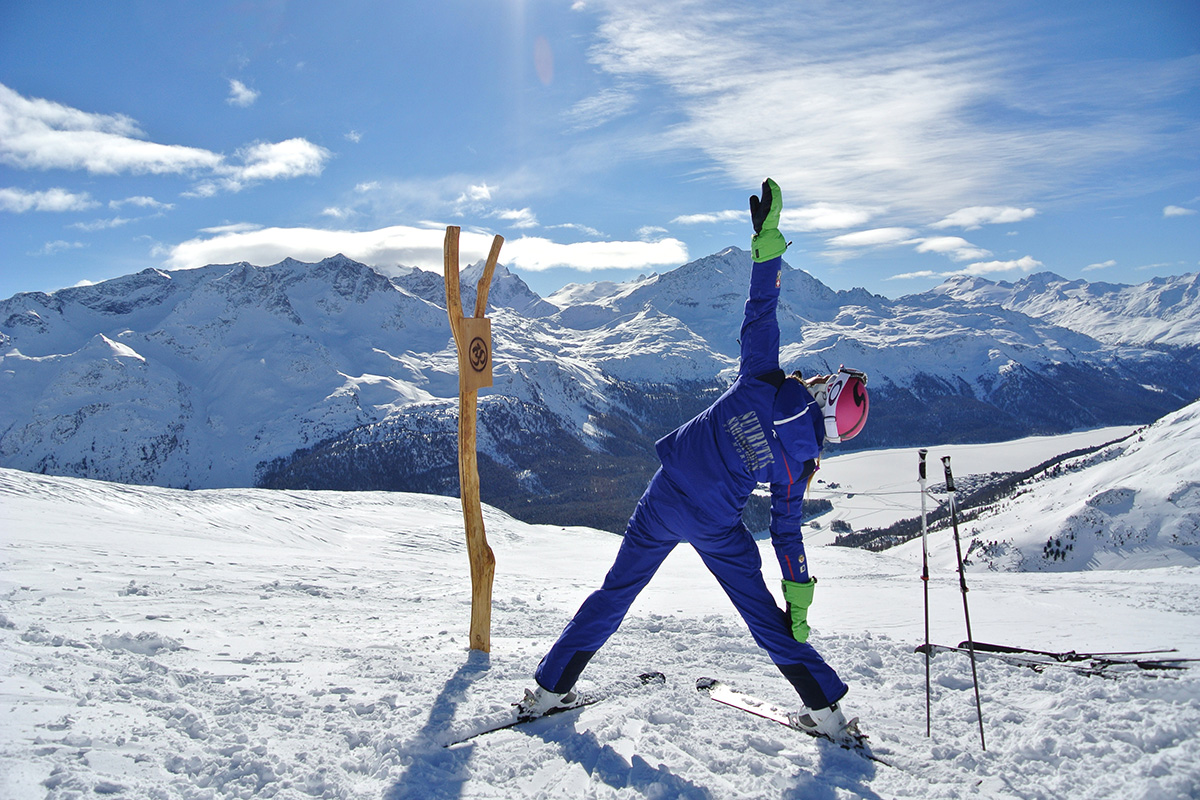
(330, 375)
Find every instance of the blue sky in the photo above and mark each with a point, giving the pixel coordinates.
(602, 139)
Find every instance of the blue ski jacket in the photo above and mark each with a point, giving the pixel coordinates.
(766, 428)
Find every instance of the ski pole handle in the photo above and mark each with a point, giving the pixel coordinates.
(949, 475)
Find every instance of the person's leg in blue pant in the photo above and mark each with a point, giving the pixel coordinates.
(734, 559)
(646, 544)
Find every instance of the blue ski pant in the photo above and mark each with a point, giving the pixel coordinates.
(664, 517)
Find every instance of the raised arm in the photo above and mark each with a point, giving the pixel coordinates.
(760, 328)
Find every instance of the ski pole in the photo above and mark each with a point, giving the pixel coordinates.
(962, 583)
(925, 582)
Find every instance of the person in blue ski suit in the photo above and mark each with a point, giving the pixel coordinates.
(766, 428)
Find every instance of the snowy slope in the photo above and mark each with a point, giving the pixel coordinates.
(244, 643)
(1134, 504)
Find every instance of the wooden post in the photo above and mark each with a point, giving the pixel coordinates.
(473, 340)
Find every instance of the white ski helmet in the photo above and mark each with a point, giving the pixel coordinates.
(844, 403)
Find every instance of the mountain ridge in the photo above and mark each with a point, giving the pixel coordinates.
(238, 375)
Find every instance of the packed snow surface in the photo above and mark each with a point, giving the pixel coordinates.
(241, 643)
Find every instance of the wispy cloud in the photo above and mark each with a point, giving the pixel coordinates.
(587, 230)
(712, 218)
(1099, 266)
(385, 247)
(101, 224)
(876, 237)
(978, 269)
(954, 247)
(536, 254)
(825, 217)
(813, 217)
(977, 216)
(904, 107)
(270, 161)
(1023, 264)
(603, 107)
(414, 246)
(56, 247)
(141, 201)
(1178, 211)
(240, 94)
(518, 218)
(41, 134)
(19, 201)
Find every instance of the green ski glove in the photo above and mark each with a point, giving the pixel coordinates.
(799, 597)
(767, 242)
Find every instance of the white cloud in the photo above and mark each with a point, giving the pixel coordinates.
(536, 254)
(265, 161)
(477, 193)
(141, 201)
(56, 247)
(410, 246)
(813, 217)
(235, 227)
(587, 230)
(1101, 265)
(1178, 211)
(647, 232)
(240, 94)
(824, 217)
(102, 224)
(19, 201)
(386, 247)
(712, 218)
(955, 247)
(517, 217)
(917, 108)
(353, 136)
(1024, 264)
(977, 216)
(980, 268)
(41, 134)
(876, 237)
(924, 273)
(594, 111)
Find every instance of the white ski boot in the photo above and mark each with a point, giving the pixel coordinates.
(828, 722)
(539, 702)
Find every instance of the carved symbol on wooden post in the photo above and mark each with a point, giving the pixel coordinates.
(473, 340)
(480, 354)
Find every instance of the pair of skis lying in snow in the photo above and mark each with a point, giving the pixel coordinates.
(715, 689)
(1106, 664)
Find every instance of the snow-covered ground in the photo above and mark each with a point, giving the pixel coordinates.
(242, 643)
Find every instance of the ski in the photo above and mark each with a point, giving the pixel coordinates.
(735, 698)
(1087, 664)
(1069, 655)
(513, 718)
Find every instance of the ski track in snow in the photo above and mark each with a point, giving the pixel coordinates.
(241, 643)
